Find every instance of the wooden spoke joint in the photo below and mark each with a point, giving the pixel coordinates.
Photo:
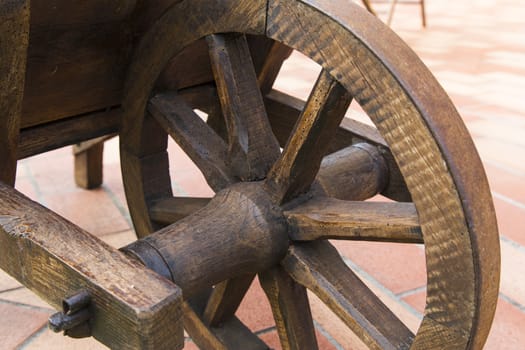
(239, 232)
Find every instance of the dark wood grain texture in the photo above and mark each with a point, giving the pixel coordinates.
(297, 166)
(133, 308)
(14, 37)
(318, 267)
(50, 136)
(251, 144)
(291, 310)
(207, 150)
(329, 218)
(416, 121)
(88, 164)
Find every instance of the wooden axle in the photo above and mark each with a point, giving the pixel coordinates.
(239, 232)
(354, 173)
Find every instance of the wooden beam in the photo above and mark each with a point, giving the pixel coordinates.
(47, 137)
(133, 307)
(14, 37)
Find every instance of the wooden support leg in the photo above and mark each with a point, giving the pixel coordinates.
(393, 4)
(423, 14)
(88, 162)
(14, 37)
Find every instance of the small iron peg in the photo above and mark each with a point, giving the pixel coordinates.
(75, 316)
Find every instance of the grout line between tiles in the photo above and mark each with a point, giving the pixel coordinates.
(265, 331)
(512, 302)
(508, 200)
(32, 337)
(327, 335)
(120, 207)
(411, 292)
(27, 306)
(382, 288)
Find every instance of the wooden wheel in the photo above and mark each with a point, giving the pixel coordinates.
(274, 211)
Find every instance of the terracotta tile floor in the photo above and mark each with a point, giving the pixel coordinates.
(476, 49)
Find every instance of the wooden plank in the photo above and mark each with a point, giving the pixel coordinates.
(53, 12)
(90, 60)
(14, 36)
(329, 218)
(318, 266)
(133, 307)
(251, 144)
(46, 137)
(291, 310)
(297, 166)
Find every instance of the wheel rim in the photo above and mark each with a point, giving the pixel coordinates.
(412, 113)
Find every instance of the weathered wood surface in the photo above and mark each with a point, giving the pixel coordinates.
(133, 308)
(86, 51)
(299, 163)
(291, 310)
(88, 163)
(207, 150)
(318, 266)
(46, 137)
(357, 172)
(283, 112)
(14, 36)
(430, 143)
(239, 232)
(329, 218)
(252, 147)
(225, 299)
(421, 152)
(176, 28)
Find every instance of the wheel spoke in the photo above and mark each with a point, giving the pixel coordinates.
(252, 146)
(225, 299)
(172, 209)
(201, 335)
(284, 111)
(291, 310)
(318, 266)
(272, 65)
(207, 150)
(296, 168)
(231, 335)
(329, 218)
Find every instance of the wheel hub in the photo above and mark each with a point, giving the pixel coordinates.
(241, 231)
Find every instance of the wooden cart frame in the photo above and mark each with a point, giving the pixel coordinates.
(140, 68)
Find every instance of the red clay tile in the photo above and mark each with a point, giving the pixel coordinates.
(507, 330)
(509, 216)
(255, 311)
(18, 324)
(272, 340)
(506, 183)
(417, 300)
(399, 267)
(92, 210)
